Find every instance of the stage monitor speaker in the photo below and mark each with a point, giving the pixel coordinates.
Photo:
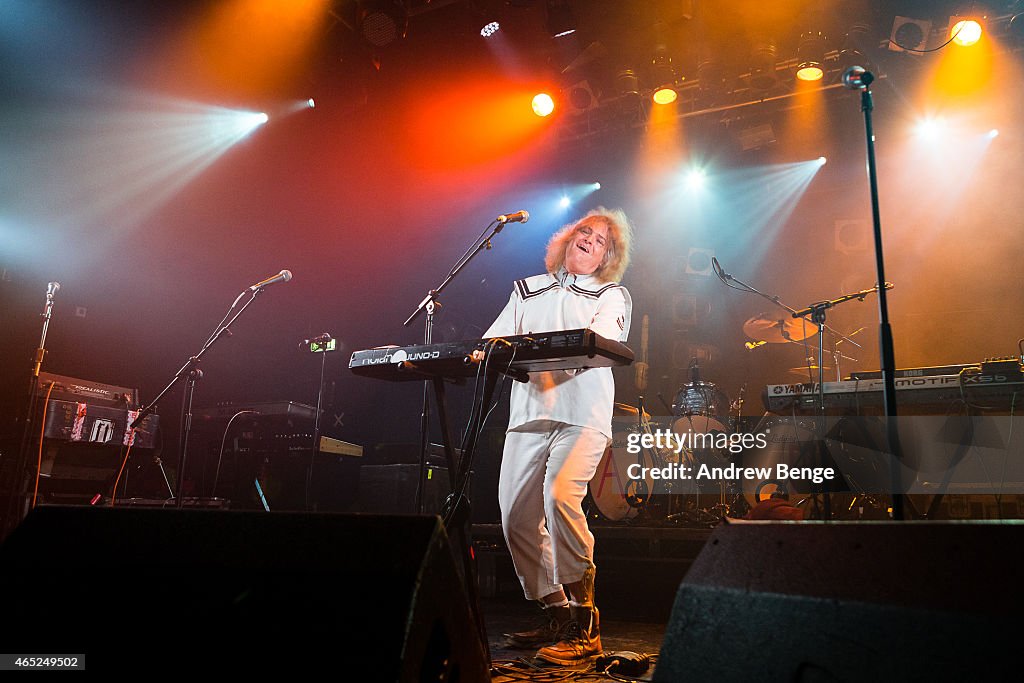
(364, 597)
(865, 601)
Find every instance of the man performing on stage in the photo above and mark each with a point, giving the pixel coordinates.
(559, 427)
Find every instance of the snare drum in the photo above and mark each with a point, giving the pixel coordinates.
(700, 408)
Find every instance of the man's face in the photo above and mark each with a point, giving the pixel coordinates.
(586, 249)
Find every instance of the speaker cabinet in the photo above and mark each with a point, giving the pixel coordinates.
(849, 602)
(364, 597)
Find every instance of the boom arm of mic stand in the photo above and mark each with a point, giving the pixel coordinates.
(193, 361)
(774, 299)
(481, 244)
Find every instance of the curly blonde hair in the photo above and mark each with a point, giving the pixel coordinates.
(620, 243)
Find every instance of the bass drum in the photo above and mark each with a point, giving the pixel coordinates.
(792, 442)
(614, 495)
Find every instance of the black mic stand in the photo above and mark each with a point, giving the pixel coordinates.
(857, 78)
(312, 501)
(13, 515)
(430, 305)
(191, 373)
(458, 518)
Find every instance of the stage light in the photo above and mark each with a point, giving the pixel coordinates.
(627, 83)
(822, 161)
(809, 72)
(490, 29)
(993, 133)
(930, 128)
(711, 79)
(311, 103)
(965, 32)
(665, 95)
(1015, 28)
(244, 122)
(543, 104)
(564, 202)
(597, 186)
(237, 124)
(696, 178)
(811, 56)
(664, 78)
(854, 51)
(762, 65)
(561, 21)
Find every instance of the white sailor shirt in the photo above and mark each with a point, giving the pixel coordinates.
(548, 303)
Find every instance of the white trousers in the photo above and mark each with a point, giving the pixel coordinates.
(544, 477)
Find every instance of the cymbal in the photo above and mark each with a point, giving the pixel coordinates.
(778, 329)
(626, 409)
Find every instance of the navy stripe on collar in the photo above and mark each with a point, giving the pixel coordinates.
(593, 293)
(526, 293)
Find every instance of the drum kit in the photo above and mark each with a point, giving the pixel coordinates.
(699, 407)
(615, 496)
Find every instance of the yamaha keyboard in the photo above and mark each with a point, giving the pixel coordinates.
(994, 390)
(562, 350)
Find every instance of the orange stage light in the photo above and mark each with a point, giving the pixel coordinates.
(966, 32)
(247, 48)
(543, 104)
(474, 121)
(665, 96)
(810, 72)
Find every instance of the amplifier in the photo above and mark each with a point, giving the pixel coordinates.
(87, 391)
(98, 424)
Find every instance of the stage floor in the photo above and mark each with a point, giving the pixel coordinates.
(507, 614)
(639, 570)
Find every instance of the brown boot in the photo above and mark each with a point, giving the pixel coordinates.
(580, 642)
(550, 631)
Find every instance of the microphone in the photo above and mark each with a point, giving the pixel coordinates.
(517, 217)
(51, 289)
(719, 271)
(857, 78)
(322, 339)
(283, 276)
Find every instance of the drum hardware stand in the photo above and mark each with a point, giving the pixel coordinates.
(15, 510)
(837, 355)
(818, 313)
(737, 405)
(191, 374)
